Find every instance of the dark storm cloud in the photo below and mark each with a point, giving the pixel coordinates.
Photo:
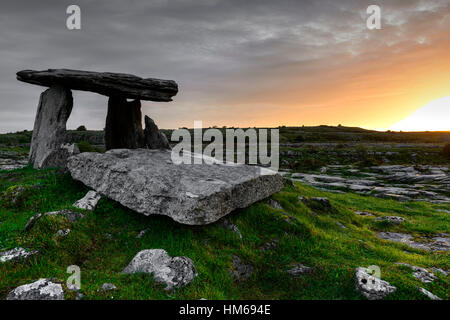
(220, 52)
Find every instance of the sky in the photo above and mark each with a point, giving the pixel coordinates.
(238, 63)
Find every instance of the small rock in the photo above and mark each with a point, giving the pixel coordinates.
(391, 219)
(43, 289)
(72, 216)
(317, 203)
(420, 273)
(429, 294)
(16, 254)
(62, 232)
(445, 273)
(173, 272)
(275, 204)
(268, 246)
(227, 224)
(288, 218)
(108, 287)
(297, 270)
(341, 225)
(142, 233)
(363, 213)
(15, 196)
(372, 287)
(89, 201)
(241, 271)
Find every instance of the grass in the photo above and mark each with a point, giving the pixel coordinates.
(104, 242)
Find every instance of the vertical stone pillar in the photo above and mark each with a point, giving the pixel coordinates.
(55, 106)
(123, 128)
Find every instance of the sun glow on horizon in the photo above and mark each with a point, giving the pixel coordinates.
(434, 116)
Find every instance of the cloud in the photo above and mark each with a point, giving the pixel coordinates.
(237, 62)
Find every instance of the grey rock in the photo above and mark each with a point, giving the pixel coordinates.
(154, 138)
(148, 182)
(108, 287)
(89, 201)
(364, 214)
(62, 233)
(227, 224)
(436, 244)
(429, 294)
(275, 204)
(438, 270)
(270, 246)
(43, 289)
(341, 225)
(297, 270)
(173, 272)
(420, 273)
(317, 204)
(142, 233)
(370, 286)
(55, 106)
(71, 216)
(391, 219)
(16, 254)
(288, 218)
(240, 271)
(105, 83)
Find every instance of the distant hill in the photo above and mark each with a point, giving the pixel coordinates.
(321, 133)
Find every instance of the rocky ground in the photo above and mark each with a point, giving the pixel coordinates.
(400, 182)
(339, 231)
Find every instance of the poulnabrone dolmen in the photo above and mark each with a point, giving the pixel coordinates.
(137, 170)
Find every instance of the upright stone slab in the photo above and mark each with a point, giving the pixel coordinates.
(154, 138)
(123, 128)
(55, 106)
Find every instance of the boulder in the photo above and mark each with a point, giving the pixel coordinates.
(154, 138)
(372, 287)
(240, 271)
(43, 289)
(89, 201)
(124, 124)
(173, 272)
(55, 106)
(147, 181)
(16, 254)
(105, 83)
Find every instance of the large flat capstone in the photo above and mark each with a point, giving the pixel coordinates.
(106, 83)
(148, 182)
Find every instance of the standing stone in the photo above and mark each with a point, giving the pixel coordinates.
(124, 124)
(154, 138)
(55, 106)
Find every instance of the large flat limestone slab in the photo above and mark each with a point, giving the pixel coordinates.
(148, 182)
(105, 83)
